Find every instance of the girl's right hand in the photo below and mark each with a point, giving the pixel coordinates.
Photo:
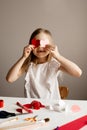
(27, 50)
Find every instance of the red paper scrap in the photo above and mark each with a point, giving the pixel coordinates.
(75, 125)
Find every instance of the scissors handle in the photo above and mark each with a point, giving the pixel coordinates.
(5, 114)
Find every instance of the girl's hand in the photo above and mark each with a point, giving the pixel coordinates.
(27, 50)
(53, 50)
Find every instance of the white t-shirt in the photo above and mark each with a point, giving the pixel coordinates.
(41, 80)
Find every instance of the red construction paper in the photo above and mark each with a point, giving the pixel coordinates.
(33, 105)
(75, 125)
(35, 42)
(1, 103)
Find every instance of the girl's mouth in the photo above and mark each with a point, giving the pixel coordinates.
(40, 51)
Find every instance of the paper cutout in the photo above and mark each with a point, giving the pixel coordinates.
(36, 105)
(35, 42)
(33, 105)
(75, 125)
(75, 108)
(41, 43)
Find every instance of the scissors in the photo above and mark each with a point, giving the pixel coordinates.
(6, 114)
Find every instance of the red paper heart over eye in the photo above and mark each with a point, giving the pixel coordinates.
(35, 42)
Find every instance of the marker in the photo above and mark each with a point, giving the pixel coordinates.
(25, 108)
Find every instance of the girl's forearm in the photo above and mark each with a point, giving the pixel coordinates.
(69, 66)
(15, 71)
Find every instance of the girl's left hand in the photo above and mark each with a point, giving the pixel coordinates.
(53, 50)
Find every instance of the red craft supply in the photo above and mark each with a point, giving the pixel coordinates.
(1, 103)
(35, 42)
(33, 105)
(24, 107)
(75, 124)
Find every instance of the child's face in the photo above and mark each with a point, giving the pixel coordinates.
(40, 42)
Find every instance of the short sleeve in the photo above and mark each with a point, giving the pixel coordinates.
(54, 66)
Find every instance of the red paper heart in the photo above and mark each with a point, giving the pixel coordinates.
(35, 42)
(34, 105)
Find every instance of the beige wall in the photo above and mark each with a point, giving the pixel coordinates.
(66, 19)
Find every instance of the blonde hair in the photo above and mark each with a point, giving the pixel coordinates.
(32, 57)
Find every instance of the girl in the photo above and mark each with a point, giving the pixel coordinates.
(42, 63)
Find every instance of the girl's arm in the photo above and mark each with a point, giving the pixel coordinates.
(16, 71)
(69, 66)
(65, 64)
(20, 66)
